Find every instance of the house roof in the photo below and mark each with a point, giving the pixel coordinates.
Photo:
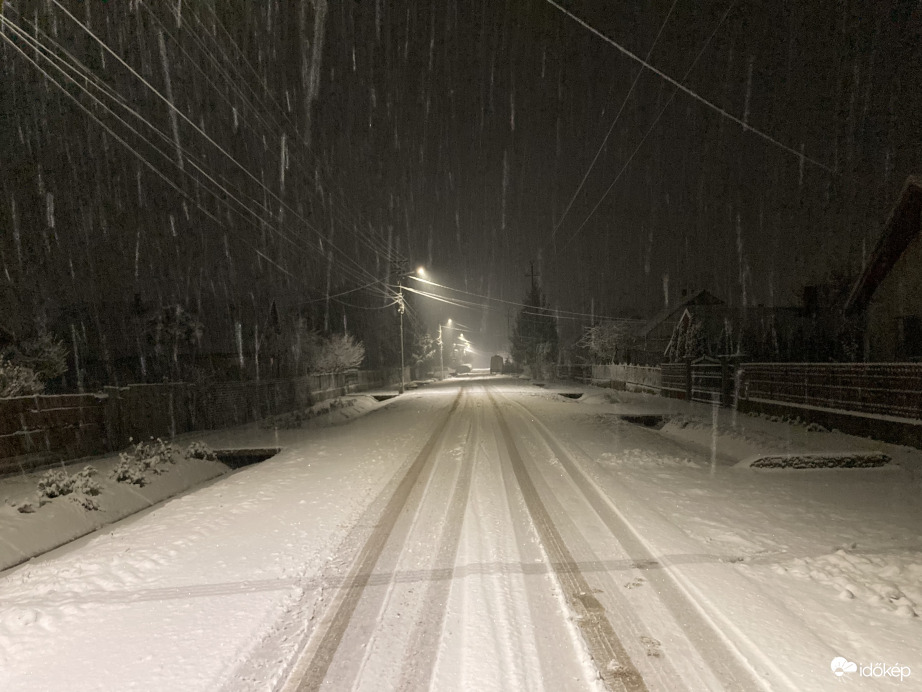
(899, 231)
(702, 297)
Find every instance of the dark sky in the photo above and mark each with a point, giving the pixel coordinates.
(307, 133)
(468, 126)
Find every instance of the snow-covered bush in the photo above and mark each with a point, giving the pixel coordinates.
(199, 450)
(845, 460)
(84, 481)
(54, 484)
(128, 470)
(18, 380)
(27, 366)
(609, 342)
(155, 456)
(340, 352)
(82, 487)
(43, 354)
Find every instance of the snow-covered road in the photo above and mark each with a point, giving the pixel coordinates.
(482, 534)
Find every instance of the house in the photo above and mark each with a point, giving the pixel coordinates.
(888, 294)
(654, 336)
(752, 332)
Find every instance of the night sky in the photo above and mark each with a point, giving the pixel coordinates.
(455, 135)
(469, 126)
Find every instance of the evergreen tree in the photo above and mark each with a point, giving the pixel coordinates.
(534, 337)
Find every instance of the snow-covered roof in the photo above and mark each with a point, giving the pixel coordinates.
(899, 231)
(702, 297)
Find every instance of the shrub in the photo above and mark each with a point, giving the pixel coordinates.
(128, 471)
(339, 353)
(18, 380)
(84, 481)
(199, 450)
(154, 456)
(82, 487)
(54, 484)
(43, 354)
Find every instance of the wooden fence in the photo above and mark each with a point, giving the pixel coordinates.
(876, 389)
(37, 430)
(635, 378)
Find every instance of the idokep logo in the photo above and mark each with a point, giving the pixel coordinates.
(840, 666)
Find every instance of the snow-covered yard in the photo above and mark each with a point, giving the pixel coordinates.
(525, 519)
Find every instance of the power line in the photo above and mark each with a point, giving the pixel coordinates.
(471, 305)
(17, 31)
(42, 50)
(746, 126)
(373, 240)
(652, 125)
(208, 138)
(613, 122)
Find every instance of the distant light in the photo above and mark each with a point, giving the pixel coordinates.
(449, 321)
(421, 271)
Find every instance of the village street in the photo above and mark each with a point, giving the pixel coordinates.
(484, 533)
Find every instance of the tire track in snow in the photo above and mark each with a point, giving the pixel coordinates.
(309, 672)
(616, 669)
(727, 662)
(418, 666)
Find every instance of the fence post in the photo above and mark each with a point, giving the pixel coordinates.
(725, 391)
(114, 422)
(688, 379)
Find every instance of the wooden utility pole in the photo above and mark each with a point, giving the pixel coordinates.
(533, 275)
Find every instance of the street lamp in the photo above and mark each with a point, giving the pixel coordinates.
(449, 325)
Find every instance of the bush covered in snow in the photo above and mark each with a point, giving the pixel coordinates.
(340, 352)
(128, 470)
(27, 366)
(18, 380)
(199, 450)
(45, 355)
(54, 484)
(154, 456)
(821, 461)
(82, 487)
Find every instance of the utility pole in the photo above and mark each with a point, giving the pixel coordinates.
(533, 276)
(401, 308)
(441, 358)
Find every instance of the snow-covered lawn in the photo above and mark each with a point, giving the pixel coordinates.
(220, 588)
